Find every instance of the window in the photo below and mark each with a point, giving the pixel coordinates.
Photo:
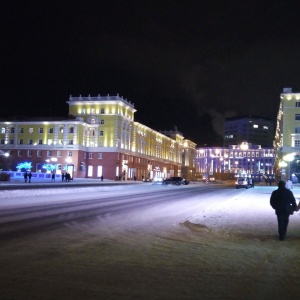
(12, 130)
(21, 130)
(29, 153)
(101, 133)
(84, 111)
(71, 130)
(70, 142)
(19, 152)
(297, 143)
(50, 142)
(61, 130)
(102, 111)
(93, 121)
(49, 153)
(90, 155)
(58, 153)
(102, 122)
(39, 153)
(2, 141)
(60, 142)
(100, 144)
(29, 142)
(297, 103)
(51, 130)
(84, 155)
(70, 153)
(99, 155)
(41, 130)
(92, 110)
(21, 141)
(2, 130)
(40, 142)
(297, 117)
(30, 130)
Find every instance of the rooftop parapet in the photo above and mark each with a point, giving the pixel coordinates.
(102, 98)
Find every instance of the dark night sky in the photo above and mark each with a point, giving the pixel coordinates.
(182, 63)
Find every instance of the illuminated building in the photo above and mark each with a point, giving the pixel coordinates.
(244, 159)
(99, 137)
(253, 129)
(287, 136)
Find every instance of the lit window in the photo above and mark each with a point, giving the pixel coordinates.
(30, 130)
(2, 130)
(93, 121)
(255, 126)
(61, 130)
(92, 110)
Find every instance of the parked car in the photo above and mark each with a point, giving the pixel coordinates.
(242, 182)
(176, 181)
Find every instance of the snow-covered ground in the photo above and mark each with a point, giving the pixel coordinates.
(222, 247)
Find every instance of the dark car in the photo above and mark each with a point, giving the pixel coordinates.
(176, 181)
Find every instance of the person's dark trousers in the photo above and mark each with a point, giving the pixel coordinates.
(283, 222)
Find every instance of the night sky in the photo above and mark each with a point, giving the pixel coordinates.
(184, 63)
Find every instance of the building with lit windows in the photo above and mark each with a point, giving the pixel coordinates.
(246, 158)
(253, 129)
(99, 138)
(287, 136)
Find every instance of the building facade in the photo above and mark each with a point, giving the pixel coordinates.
(99, 138)
(287, 136)
(253, 129)
(244, 159)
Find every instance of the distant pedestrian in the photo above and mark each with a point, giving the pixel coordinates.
(62, 176)
(101, 177)
(29, 176)
(284, 203)
(25, 176)
(53, 177)
(270, 181)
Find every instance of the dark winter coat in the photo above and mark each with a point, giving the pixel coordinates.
(281, 200)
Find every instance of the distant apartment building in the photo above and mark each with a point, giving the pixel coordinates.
(287, 136)
(245, 158)
(252, 129)
(99, 138)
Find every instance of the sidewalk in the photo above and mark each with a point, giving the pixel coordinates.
(18, 183)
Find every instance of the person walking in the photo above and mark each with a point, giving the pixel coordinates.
(62, 176)
(29, 177)
(53, 177)
(284, 203)
(25, 176)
